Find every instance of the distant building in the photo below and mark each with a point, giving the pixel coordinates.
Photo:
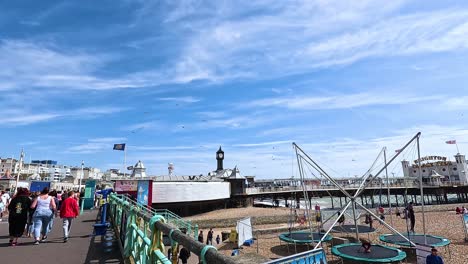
(438, 169)
(8, 164)
(88, 173)
(139, 170)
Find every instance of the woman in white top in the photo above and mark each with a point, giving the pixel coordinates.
(44, 205)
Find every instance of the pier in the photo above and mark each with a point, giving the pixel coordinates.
(374, 195)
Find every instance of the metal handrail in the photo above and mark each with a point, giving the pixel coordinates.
(132, 221)
(170, 217)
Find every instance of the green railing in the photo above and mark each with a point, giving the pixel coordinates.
(178, 222)
(171, 218)
(139, 237)
(141, 229)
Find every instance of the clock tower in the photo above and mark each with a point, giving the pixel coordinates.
(220, 158)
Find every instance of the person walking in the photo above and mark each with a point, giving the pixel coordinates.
(44, 204)
(200, 236)
(2, 208)
(4, 200)
(218, 239)
(30, 224)
(18, 215)
(68, 211)
(209, 237)
(53, 194)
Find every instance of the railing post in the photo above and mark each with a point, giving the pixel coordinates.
(156, 238)
(130, 235)
(195, 232)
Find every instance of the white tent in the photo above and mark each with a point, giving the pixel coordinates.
(244, 231)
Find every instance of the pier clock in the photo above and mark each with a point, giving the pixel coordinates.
(220, 158)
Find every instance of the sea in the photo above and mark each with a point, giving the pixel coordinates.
(325, 203)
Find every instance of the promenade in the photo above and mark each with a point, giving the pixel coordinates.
(82, 246)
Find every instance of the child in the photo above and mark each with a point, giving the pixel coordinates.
(218, 239)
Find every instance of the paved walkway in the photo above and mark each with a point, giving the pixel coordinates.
(81, 248)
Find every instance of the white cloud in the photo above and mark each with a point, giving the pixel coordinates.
(211, 114)
(340, 157)
(88, 148)
(271, 143)
(342, 101)
(93, 111)
(416, 33)
(305, 35)
(142, 126)
(20, 116)
(26, 119)
(455, 103)
(182, 99)
(108, 139)
(95, 145)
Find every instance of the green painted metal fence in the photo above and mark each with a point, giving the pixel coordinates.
(141, 229)
(140, 239)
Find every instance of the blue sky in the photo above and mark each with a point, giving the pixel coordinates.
(177, 79)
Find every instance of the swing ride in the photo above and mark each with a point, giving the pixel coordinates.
(367, 252)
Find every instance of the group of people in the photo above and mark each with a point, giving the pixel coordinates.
(184, 254)
(34, 213)
(209, 237)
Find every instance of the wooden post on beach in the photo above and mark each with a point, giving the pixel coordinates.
(341, 203)
(333, 206)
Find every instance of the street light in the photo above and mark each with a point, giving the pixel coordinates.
(81, 177)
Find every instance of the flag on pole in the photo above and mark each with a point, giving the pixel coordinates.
(451, 142)
(119, 146)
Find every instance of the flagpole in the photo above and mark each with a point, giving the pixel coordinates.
(19, 170)
(81, 176)
(456, 144)
(125, 161)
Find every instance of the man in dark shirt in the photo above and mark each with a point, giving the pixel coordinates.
(209, 238)
(433, 258)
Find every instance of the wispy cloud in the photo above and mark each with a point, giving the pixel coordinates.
(108, 139)
(89, 148)
(271, 143)
(405, 35)
(314, 35)
(27, 119)
(342, 101)
(142, 126)
(162, 148)
(19, 116)
(95, 145)
(211, 114)
(183, 99)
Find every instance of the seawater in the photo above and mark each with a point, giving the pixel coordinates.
(325, 202)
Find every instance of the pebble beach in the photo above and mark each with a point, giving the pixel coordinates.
(441, 220)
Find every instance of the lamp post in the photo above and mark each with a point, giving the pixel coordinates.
(20, 167)
(81, 176)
